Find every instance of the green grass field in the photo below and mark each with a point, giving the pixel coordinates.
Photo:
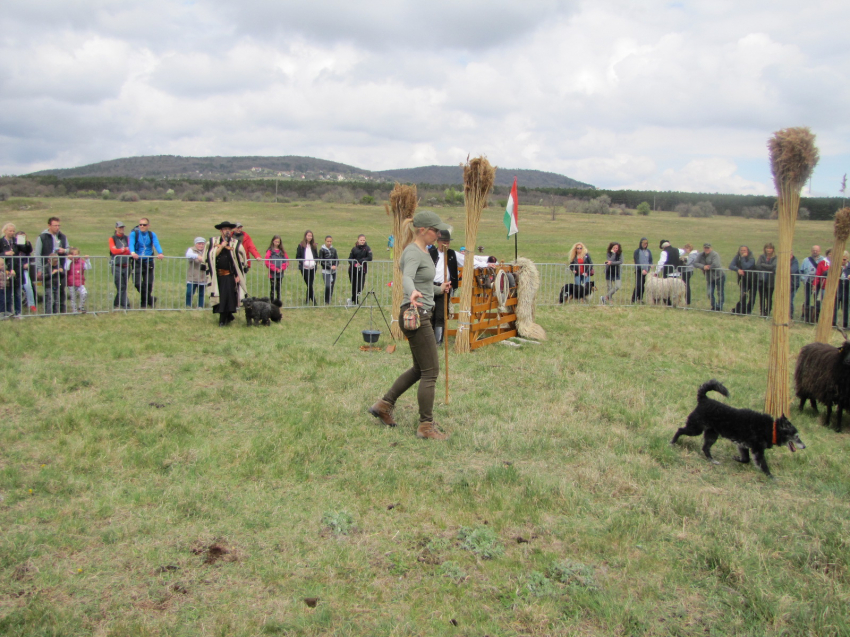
(161, 476)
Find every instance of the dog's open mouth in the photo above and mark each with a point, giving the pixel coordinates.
(792, 447)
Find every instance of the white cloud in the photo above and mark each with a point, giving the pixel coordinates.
(711, 174)
(650, 95)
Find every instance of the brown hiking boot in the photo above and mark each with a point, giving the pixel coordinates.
(429, 430)
(384, 412)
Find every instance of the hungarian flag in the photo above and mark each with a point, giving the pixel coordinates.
(512, 212)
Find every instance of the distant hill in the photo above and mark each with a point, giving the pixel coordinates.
(175, 166)
(293, 167)
(504, 177)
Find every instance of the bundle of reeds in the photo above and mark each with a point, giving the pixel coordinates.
(403, 202)
(793, 156)
(478, 178)
(842, 231)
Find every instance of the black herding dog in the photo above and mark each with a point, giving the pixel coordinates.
(576, 291)
(260, 311)
(750, 430)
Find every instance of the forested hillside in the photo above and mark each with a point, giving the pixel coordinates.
(292, 167)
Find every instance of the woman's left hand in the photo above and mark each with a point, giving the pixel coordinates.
(416, 294)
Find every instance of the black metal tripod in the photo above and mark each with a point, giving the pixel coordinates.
(362, 301)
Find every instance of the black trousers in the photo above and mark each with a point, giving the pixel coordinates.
(309, 278)
(358, 278)
(143, 280)
(274, 288)
(640, 282)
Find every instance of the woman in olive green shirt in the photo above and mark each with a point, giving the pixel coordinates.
(417, 269)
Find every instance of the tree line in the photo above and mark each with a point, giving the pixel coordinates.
(373, 193)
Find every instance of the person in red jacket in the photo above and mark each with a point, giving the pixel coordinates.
(820, 282)
(247, 244)
(119, 260)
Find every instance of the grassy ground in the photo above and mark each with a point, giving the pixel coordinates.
(160, 476)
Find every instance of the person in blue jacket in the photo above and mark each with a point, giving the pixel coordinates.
(144, 246)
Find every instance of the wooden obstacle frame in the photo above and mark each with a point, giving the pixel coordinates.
(487, 325)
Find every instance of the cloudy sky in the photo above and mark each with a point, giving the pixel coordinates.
(643, 95)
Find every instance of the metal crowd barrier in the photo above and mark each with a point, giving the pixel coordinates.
(51, 294)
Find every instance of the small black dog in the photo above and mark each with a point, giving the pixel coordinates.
(576, 291)
(261, 311)
(750, 430)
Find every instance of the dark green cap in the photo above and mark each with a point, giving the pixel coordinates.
(428, 219)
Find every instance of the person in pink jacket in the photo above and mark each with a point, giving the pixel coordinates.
(276, 262)
(75, 268)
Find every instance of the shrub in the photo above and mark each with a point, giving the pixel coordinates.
(128, 196)
(104, 194)
(643, 209)
(367, 200)
(339, 522)
(803, 213)
(701, 209)
(573, 205)
(453, 571)
(5, 193)
(573, 574)
(482, 540)
(453, 197)
(169, 194)
(756, 212)
(539, 585)
(599, 206)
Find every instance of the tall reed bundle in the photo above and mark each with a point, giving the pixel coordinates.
(842, 231)
(478, 178)
(793, 156)
(403, 201)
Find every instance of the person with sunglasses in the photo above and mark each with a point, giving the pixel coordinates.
(143, 244)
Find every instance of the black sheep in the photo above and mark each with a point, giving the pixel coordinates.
(823, 374)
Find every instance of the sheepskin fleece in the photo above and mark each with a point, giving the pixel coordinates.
(528, 282)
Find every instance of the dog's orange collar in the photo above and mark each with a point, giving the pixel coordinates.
(774, 432)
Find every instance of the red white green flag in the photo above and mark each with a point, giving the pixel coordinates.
(512, 212)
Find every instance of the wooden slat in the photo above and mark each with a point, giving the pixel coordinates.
(504, 319)
(492, 339)
(493, 303)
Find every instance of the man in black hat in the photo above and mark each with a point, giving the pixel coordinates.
(224, 258)
(440, 253)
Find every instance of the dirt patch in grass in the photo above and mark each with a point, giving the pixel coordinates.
(215, 552)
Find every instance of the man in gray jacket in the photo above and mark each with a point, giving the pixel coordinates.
(715, 277)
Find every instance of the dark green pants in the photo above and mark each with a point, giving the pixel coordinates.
(426, 367)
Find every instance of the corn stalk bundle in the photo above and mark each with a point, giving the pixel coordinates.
(478, 178)
(793, 156)
(842, 231)
(403, 201)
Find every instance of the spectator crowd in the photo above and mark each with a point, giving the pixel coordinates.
(134, 256)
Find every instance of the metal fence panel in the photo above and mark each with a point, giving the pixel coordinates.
(48, 288)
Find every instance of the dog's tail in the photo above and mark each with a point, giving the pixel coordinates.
(277, 303)
(712, 385)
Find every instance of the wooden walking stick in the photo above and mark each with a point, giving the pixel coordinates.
(447, 298)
